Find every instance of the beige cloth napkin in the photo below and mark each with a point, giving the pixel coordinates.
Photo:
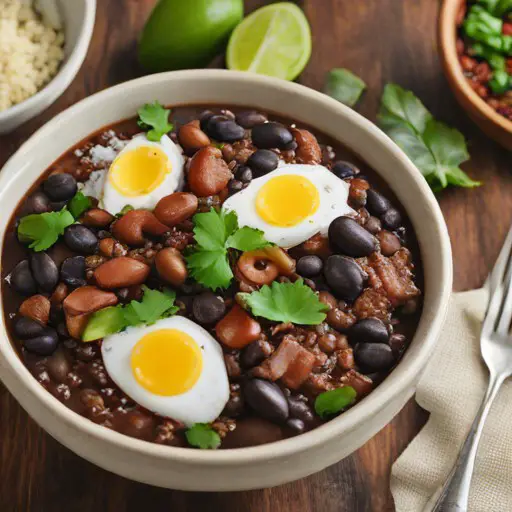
(451, 389)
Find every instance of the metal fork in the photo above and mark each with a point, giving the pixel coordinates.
(496, 348)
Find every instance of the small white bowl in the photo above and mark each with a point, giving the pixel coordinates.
(289, 459)
(78, 21)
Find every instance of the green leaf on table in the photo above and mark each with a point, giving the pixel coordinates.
(344, 86)
(201, 435)
(42, 230)
(287, 302)
(79, 204)
(435, 149)
(154, 119)
(334, 401)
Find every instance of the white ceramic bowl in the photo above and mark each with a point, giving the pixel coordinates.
(271, 464)
(78, 20)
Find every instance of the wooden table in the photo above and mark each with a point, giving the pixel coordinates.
(381, 41)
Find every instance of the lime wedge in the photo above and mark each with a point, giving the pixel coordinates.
(274, 40)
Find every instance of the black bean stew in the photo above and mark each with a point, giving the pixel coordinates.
(366, 271)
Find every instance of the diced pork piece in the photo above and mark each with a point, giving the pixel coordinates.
(372, 303)
(361, 383)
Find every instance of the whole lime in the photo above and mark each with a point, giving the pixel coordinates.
(183, 34)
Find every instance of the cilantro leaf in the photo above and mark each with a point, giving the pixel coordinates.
(42, 230)
(247, 239)
(79, 204)
(216, 232)
(154, 119)
(287, 302)
(331, 402)
(344, 86)
(153, 306)
(435, 149)
(201, 435)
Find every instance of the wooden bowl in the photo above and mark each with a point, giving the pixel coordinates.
(493, 124)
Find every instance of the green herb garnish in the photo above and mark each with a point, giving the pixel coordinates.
(153, 306)
(201, 435)
(79, 204)
(436, 149)
(287, 302)
(154, 119)
(344, 86)
(42, 230)
(215, 233)
(334, 401)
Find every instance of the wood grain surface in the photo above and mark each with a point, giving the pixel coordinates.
(382, 41)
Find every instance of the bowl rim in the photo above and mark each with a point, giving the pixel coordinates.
(447, 41)
(348, 421)
(65, 75)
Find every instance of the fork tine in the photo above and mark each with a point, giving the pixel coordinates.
(496, 276)
(506, 309)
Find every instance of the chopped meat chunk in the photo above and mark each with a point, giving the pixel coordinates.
(361, 383)
(299, 369)
(372, 303)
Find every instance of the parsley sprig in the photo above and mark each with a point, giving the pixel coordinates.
(153, 306)
(201, 435)
(42, 230)
(215, 233)
(154, 119)
(436, 149)
(344, 86)
(287, 302)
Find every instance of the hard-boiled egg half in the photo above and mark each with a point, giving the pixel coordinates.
(143, 173)
(292, 203)
(174, 368)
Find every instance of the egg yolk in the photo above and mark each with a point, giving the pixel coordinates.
(287, 200)
(139, 171)
(166, 362)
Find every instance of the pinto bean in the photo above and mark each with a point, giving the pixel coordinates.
(175, 208)
(208, 173)
(97, 218)
(59, 294)
(308, 150)
(106, 247)
(237, 329)
(317, 244)
(192, 138)
(37, 308)
(131, 227)
(171, 266)
(121, 272)
(88, 299)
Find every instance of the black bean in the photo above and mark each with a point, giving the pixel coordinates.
(376, 203)
(391, 219)
(60, 187)
(235, 186)
(80, 239)
(250, 118)
(296, 425)
(271, 135)
(205, 116)
(348, 237)
(22, 280)
(310, 265)
(244, 174)
(224, 130)
(373, 225)
(58, 366)
(39, 202)
(44, 344)
(344, 170)
(44, 270)
(72, 271)
(207, 308)
(374, 356)
(262, 162)
(344, 276)
(25, 328)
(267, 399)
(369, 330)
(300, 409)
(234, 406)
(252, 355)
(56, 206)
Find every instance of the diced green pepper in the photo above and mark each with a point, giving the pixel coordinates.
(501, 81)
(103, 323)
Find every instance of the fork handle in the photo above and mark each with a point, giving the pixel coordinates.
(454, 494)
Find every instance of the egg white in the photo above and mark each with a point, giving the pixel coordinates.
(333, 194)
(202, 403)
(114, 201)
